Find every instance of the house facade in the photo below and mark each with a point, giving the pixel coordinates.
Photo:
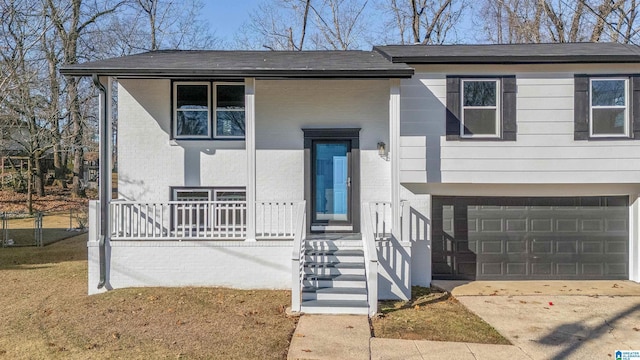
(351, 176)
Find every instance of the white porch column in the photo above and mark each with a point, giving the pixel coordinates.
(394, 150)
(250, 141)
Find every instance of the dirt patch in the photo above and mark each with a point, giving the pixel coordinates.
(432, 315)
(55, 200)
(47, 314)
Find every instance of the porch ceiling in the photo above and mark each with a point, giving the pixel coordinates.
(238, 64)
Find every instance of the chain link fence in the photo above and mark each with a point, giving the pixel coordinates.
(40, 229)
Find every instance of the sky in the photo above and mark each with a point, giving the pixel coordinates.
(226, 16)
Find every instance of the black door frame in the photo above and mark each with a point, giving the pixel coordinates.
(346, 134)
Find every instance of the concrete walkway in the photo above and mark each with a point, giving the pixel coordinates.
(331, 337)
(557, 319)
(348, 337)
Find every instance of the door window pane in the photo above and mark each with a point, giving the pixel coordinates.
(331, 181)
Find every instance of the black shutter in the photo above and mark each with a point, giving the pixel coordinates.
(509, 94)
(635, 106)
(453, 108)
(581, 108)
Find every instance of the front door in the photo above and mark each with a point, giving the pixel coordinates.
(331, 185)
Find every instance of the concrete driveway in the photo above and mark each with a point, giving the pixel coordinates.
(557, 319)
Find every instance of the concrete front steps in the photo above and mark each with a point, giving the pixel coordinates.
(334, 277)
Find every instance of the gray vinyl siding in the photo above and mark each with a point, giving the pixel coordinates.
(545, 150)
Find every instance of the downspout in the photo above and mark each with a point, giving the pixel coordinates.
(104, 188)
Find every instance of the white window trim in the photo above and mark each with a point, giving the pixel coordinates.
(497, 107)
(625, 107)
(216, 191)
(175, 110)
(215, 111)
(212, 191)
(192, 189)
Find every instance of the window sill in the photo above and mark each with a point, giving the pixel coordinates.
(176, 142)
(480, 139)
(610, 138)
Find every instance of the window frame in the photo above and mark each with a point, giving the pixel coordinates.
(627, 117)
(175, 110)
(212, 109)
(497, 108)
(212, 196)
(215, 111)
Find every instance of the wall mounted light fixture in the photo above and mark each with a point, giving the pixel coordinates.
(382, 149)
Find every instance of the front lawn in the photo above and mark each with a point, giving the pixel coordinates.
(432, 315)
(47, 314)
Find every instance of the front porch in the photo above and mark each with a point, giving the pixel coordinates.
(182, 243)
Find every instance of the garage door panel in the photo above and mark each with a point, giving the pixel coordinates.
(567, 269)
(536, 238)
(616, 269)
(616, 225)
(516, 225)
(567, 247)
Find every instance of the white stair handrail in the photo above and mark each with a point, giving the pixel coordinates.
(297, 257)
(370, 259)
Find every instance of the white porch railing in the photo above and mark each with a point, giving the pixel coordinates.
(200, 220)
(297, 257)
(381, 217)
(276, 220)
(369, 237)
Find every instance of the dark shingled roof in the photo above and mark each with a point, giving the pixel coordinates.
(511, 53)
(264, 64)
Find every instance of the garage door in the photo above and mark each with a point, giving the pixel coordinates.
(530, 238)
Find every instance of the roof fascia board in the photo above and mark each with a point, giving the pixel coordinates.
(151, 73)
(440, 60)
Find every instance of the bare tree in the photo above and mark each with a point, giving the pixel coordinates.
(423, 21)
(340, 24)
(560, 21)
(71, 21)
(23, 100)
(278, 25)
(296, 25)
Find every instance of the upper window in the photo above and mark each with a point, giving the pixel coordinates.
(229, 110)
(609, 110)
(195, 118)
(480, 108)
(192, 103)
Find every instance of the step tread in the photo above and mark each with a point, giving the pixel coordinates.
(334, 264)
(335, 303)
(335, 290)
(337, 277)
(335, 252)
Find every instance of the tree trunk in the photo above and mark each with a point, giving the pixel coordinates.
(76, 133)
(29, 186)
(38, 175)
